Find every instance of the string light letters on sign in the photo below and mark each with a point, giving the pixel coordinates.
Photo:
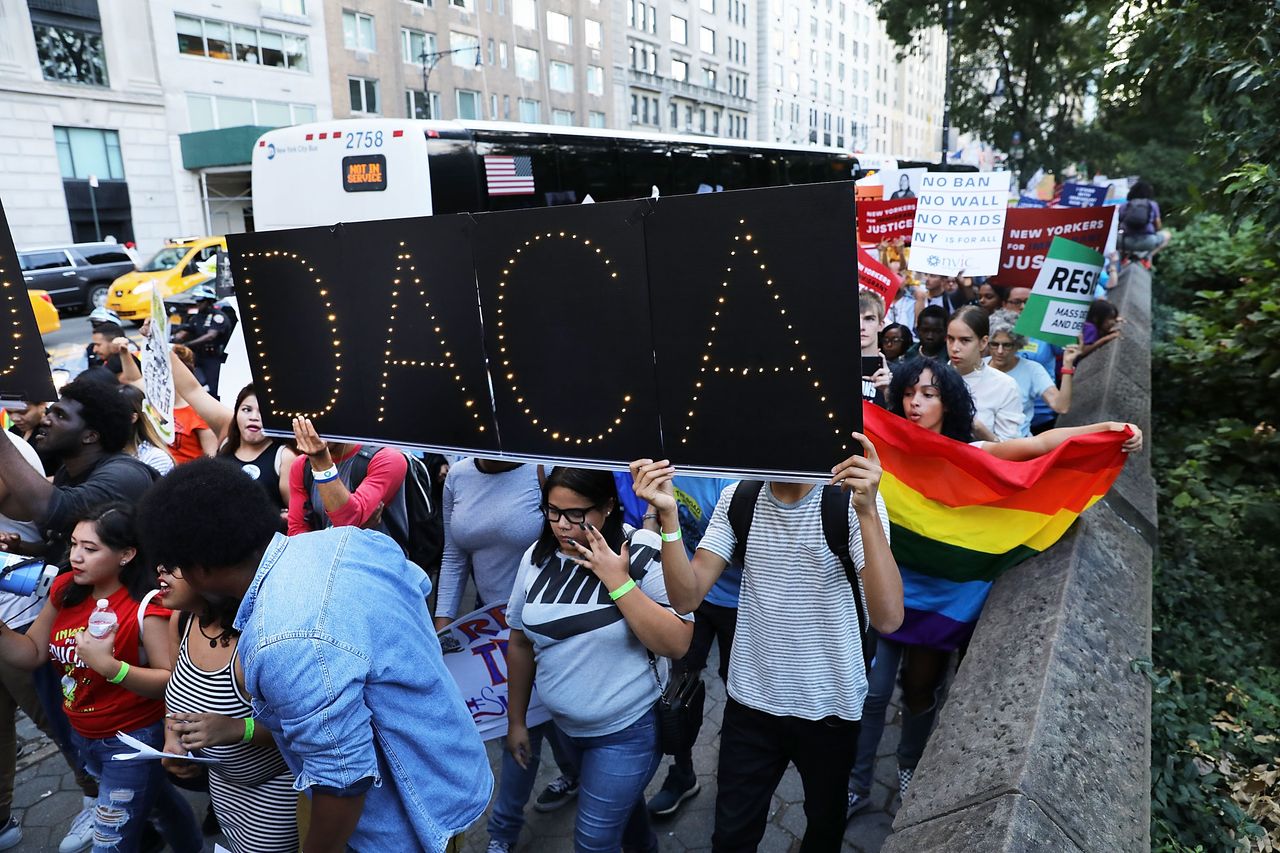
(718, 331)
(24, 368)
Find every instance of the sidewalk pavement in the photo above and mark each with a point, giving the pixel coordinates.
(46, 797)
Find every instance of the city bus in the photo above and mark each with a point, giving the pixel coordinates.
(353, 170)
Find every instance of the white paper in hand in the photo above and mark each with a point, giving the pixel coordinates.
(148, 753)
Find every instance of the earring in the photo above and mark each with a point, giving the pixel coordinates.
(124, 562)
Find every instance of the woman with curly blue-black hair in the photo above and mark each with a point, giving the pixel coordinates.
(933, 395)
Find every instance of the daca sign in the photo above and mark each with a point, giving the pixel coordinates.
(711, 330)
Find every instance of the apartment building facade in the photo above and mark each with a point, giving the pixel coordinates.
(497, 60)
(686, 66)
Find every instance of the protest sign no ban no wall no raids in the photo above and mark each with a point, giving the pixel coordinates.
(1062, 293)
(959, 225)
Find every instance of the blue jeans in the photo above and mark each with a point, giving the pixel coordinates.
(129, 790)
(613, 772)
(516, 784)
(915, 727)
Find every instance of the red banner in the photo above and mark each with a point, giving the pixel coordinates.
(1028, 231)
(886, 220)
(877, 277)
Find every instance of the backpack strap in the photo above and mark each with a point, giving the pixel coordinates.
(742, 509)
(314, 517)
(142, 615)
(835, 529)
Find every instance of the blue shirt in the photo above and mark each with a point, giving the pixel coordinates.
(1032, 383)
(344, 669)
(696, 499)
(1046, 354)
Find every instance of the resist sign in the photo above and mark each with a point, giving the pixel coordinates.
(1062, 293)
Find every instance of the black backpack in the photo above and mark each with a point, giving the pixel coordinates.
(423, 541)
(835, 529)
(1137, 215)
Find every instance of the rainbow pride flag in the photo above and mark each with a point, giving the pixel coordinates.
(959, 517)
(5, 420)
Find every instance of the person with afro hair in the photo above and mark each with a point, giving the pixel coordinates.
(85, 432)
(338, 653)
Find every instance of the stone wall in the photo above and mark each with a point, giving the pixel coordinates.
(1045, 739)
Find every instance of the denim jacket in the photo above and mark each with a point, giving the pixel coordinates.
(343, 667)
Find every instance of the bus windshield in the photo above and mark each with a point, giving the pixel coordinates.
(165, 259)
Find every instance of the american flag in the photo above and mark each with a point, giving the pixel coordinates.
(508, 175)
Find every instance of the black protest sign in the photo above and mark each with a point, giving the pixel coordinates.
(755, 306)
(24, 367)
(565, 298)
(587, 334)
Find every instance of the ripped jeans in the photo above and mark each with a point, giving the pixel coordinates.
(128, 791)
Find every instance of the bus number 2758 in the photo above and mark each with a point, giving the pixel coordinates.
(364, 139)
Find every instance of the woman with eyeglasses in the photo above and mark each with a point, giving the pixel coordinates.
(492, 512)
(250, 786)
(1034, 382)
(590, 618)
(114, 683)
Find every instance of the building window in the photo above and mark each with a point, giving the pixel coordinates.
(595, 80)
(679, 30)
(593, 33)
(564, 118)
(357, 32)
(561, 76)
(468, 104)
(595, 119)
(708, 6)
(679, 70)
(210, 112)
(526, 63)
(84, 151)
(525, 14)
(214, 40)
(502, 54)
(530, 111)
(673, 114)
(707, 40)
(70, 55)
(364, 95)
(506, 106)
(709, 77)
(715, 123)
(468, 47)
(296, 8)
(702, 120)
(414, 44)
(419, 106)
(559, 28)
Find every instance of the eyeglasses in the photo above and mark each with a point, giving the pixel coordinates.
(576, 515)
(1015, 302)
(171, 571)
(1002, 345)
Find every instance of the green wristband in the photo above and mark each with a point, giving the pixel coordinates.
(248, 730)
(624, 589)
(119, 676)
(671, 537)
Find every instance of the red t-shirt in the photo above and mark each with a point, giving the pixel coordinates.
(97, 708)
(186, 444)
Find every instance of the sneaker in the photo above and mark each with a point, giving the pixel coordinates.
(496, 846)
(561, 790)
(11, 835)
(1146, 263)
(675, 790)
(904, 780)
(857, 802)
(80, 835)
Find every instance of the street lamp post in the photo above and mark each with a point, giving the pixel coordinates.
(429, 60)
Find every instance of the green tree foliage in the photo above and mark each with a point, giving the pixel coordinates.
(1050, 53)
(1216, 671)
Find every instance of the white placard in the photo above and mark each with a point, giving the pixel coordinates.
(157, 373)
(959, 225)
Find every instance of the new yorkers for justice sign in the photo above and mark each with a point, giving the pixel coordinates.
(713, 330)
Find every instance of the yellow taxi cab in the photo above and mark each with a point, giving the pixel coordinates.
(174, 269)
(46, 315)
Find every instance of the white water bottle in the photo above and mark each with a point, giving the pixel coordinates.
(102, 620)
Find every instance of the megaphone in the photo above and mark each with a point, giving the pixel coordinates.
(26, 575)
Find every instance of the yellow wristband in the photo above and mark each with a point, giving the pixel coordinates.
(119, 676)
(248, 730)
(624, 589)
